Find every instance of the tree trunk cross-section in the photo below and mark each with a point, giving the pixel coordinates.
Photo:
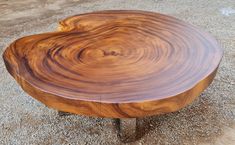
(117, 64)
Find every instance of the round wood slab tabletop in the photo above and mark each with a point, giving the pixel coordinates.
(118, 64)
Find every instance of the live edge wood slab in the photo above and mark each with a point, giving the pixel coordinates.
(116, 64)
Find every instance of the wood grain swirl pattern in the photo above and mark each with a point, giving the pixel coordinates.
(116, 64)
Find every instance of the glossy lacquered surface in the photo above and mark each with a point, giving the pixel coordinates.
(116, 64)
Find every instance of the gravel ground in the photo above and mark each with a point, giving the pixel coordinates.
(209, 120)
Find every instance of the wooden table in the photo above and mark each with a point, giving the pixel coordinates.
(116, 64)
